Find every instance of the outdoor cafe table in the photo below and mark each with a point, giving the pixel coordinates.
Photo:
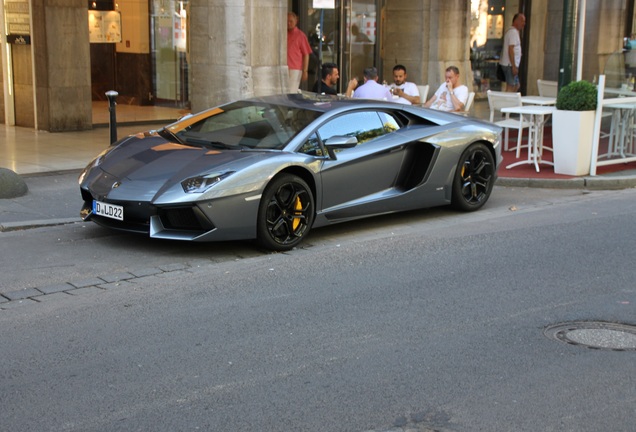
(538, 100)
(620, 92)
(538, 115)
(621, 139)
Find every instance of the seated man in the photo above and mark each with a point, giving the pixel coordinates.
(407, 92)
(330, 75)
(450, 96)
(370, 89)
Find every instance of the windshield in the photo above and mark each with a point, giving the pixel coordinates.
(246, 125)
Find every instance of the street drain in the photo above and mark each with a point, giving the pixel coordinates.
(595, 335)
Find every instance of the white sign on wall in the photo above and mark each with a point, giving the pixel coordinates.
(324, 4)
(104, 26)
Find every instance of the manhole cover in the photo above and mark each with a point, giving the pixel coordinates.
(595, 335)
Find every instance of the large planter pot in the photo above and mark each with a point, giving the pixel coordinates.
(572, 137)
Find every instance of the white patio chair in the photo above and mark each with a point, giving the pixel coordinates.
(469, 102)
(423, 89)
(468, 105)
(547, 88)
(498, 100)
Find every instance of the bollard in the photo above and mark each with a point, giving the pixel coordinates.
(112, 97)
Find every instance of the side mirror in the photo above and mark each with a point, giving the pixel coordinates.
(341, 141)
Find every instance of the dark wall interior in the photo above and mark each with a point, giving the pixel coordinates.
(127, 74)
(102, 69)
(134, 72)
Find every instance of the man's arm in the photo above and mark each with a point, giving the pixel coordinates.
(430, 101)
(351, 87)
(305, 67)
(511, 56)
(413, 99)
(457, 104)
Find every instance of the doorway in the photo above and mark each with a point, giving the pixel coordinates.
(170, 57)
(347, 35)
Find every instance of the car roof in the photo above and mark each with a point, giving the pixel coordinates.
(319, 102)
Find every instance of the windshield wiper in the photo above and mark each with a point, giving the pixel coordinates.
(207, 143)
(170, 136)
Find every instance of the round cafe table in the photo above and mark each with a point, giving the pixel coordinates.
(537, 115)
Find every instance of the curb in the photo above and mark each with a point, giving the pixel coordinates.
(593, 183)
(16, 226)
(590, 183)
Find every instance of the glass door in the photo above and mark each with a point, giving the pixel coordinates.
(169, 27)
(322, 31)
(361, 26)
(345, 35)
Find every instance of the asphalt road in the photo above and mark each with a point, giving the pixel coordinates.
(430, 320)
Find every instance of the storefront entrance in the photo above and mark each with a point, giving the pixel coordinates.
(489, 21)
(147, 66)
(169, 42)
(346, 35)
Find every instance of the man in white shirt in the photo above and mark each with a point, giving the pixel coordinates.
(370, 89)
(511, 53)
(450, 96)
(404, 92)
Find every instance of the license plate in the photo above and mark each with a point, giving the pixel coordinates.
(108, 210)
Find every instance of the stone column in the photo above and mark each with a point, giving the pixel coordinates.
(427, 37)
(61, 64)
(238, 49)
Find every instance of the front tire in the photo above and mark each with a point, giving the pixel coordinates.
(474, 178)
(285, 214)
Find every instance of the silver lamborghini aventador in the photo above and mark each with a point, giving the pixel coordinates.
(272, 168)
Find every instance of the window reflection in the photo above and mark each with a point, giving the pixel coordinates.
(364, 126)
(486, 40)
(249, 125)
(312, 146)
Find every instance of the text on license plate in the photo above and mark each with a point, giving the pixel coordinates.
(108, 210)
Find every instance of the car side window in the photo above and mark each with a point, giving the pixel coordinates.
(311, 146)
(364, 125)
(389, 122)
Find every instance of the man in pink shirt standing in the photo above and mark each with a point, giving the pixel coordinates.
(298, 51)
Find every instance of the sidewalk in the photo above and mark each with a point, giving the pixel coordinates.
(50, 162)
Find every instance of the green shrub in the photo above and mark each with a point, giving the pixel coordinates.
(577, 96)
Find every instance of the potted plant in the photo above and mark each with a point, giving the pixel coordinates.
(573, 128)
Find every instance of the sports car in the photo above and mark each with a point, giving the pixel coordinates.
(273, 168)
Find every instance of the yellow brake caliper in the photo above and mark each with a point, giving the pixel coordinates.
(298, 206)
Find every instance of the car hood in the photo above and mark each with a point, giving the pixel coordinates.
(155, 158)
(143, 168)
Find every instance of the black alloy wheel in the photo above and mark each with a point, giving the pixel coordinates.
(474, 178)
(286, 213)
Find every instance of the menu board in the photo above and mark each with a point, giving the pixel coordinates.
(18, 21)
(104, 26)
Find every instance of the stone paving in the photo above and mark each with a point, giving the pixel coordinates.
(12, 299)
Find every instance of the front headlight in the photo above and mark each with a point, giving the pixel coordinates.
(200, 184)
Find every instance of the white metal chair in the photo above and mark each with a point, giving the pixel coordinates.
(469, 102)
(423, 89)
(468, 105)
(547, 88)
(498, 100)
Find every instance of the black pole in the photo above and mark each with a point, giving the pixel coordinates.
(112, 103)
(568, 31)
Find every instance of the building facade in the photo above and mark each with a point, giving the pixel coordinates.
(59, 57)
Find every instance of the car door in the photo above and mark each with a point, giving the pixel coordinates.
(354, 181)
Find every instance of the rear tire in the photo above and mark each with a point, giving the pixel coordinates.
(285, 214)
(474, 178)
